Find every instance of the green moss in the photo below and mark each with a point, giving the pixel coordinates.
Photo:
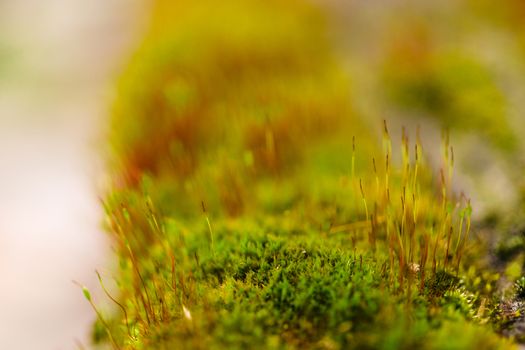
(264, 288)
(246, 215)
(456, 89)
(520, 287)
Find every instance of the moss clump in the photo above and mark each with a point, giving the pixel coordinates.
(262, 287)
(245, 215)
(455, 89)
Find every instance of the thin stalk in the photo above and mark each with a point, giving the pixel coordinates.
(387, 185)
(376, 176)
(465, 240)
(147, 303)
(416, 166)
(423, 261)
(117, 303)
(87, 295)
(364, 200)
(460, 231)
(448, 246)
(210, 231)
(353, 158)
(434, 260)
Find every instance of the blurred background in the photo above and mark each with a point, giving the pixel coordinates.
(57, 61)
(447, 64)
(455, 65)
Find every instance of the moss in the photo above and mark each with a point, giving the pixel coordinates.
(520, 287)
(455, 89)
(246, 215)
(261, 290)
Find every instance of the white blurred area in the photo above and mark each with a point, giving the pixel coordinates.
(58, 59)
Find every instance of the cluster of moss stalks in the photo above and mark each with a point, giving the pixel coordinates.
(252, 208)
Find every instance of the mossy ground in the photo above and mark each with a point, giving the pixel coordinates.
(254, 208)
(262, 286)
